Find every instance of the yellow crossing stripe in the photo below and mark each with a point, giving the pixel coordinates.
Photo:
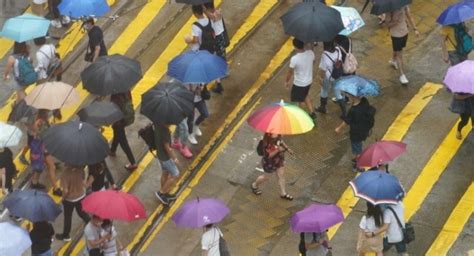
(396, 131)
(454, 225)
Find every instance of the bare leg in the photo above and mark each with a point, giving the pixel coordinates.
(51, 170)
(168, 185)
(260, 180)
(164, 178)
(399, 58)
(281, 180)
(309, 104)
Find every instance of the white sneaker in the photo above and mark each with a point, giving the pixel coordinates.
(192, 139)
(393, 63)
(65, 20)
(197, 131)
(403, 79)
(56, 24)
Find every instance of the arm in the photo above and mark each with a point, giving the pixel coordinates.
(89, 181)
(379, 231)
(322, 75)
(98, 242)
(289, 75)
(410, 21)
(109, 177)
(9, 67)
(96, 53)
(341, 127)
(171, 153)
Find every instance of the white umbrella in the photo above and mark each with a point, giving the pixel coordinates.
(15, 240)
(52, 95)
(10, 135)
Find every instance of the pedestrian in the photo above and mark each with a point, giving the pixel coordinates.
(20, 57)
(202, 32)
(7, 170)
(273, 162)
(111, 246)
(168, 162)
(210, 240)
(301, 70)
(330, 68)
(57, 19)
(38, 7)
(124, 102)
(315, 243)
(98, 173)
(463, 104)
(74, 191)
(96, 41)
(360, 119)
(200, 105)
(367, 241)
(92, 235)
(41, 237)
(48, 64)
(449, 43)
(180, 139)
(398, 27)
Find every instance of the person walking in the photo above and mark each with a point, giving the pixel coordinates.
(48, 64)
(398, 27)
(57, 20)
(465, 110)
(112, 246)
(449, 44)
(202, 32)
(74, 191)
(38, 7)
(301, 70)
(92, 235)
(7, 170)
(180, 139)
(41, 237)
(168, 162)
(20, 53)
(368, 242)
(210, 240)
(315, 244)
(273, 162)
(96, 181)
(96, 41)
(201, 107)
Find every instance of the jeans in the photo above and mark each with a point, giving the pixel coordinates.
(120, 138)
(325, 90)
(401, 246)
(68, 208)
(181, 131)
(46, 253)
(203, 114)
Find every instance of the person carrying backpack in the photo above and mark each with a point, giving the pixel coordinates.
(203, 35)
(313, 244)
(48, 64)
(456, 43)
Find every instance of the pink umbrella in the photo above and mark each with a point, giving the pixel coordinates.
(381, 152)
(460, 78)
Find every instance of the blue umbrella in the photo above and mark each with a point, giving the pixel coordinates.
(83, 8)
(25, 27)
(32, 205)
(15, 240)
(358, 86)
(457, 13)
(195, 67)
(378, 187)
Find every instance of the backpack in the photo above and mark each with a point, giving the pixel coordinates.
(302, 245)
(128, 112)
(54, 67)
(260, 148)
(208, 41)
(463, 40)
(147, 133)
(350, 63)
(26, 72)
(337, 66)
(223, 248)
(226, 35)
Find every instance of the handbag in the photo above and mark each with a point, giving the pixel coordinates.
(408, 232)
(89, 57)
(223, 248)
(96, 252)
(457, 106)
(226, 35)
(205, 94)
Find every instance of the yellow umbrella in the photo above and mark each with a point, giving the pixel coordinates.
(52, 95)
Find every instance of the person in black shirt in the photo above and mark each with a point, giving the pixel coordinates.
(97, 177)
(7, 170)
(41, 237)
(96, 39)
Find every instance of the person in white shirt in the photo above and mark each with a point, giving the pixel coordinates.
(217, 22)
(210, 241)
(45, 54)
(368, 242)
(301, 69)
(201, 26)
(111, 246)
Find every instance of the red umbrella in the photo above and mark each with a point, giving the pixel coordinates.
(381, 152)
(114, 205)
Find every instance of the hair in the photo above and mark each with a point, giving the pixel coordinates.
(209, 225)
(198, 9)
(42, 114)
(329, 46)
(20, 48)
(209, 5)
(375, 212)
(298, 44)
(39, 41)
(106, 223)
(96, 217)
(90, 20)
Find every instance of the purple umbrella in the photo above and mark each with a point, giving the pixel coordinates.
(200, 212)
(460, 78)
(316, 218)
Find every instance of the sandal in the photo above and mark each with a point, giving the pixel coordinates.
(287, 197)
(255, 190)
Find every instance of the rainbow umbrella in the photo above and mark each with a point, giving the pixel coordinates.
(281, 118)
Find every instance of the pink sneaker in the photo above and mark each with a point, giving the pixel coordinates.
(176, 144)
(186, 152)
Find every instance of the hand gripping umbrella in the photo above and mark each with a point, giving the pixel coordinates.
(32, 205)
(100, 113)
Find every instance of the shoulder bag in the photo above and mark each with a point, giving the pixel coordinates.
(408, 231)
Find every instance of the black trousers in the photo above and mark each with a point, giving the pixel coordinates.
(120, 138)
(68, 208)
(465, 119)
(53, 6)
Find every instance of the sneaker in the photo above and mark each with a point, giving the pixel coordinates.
(176, 144)
(23, 160)
(393, 63)
(171, 197)
(162, 198)
(131, 167)
(321, 109)
(56, 24)
(186, 152)
(334, 99)
(192, 139)
(65, 20)
(197, 131)
(403, 79)
(57, 192)
(458, 135)
(62, 237)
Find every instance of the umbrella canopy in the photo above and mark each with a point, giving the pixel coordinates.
(312, 22)
(114, 205)
(111, 74)
(194, 67)
(381, 152)
(32, 205)
(460, 77)
(457, 13)
(351, 19)
(76, 143)
(83, 8)
(281, 118)
(21, 112)
(100, 113)
(18, 239)
(385, 6)
(25, 27)
(52, 95)
(193, 2)
(10, 135)
(358, 86)
(167, 103)
(377, 187)
(200, 212)
(316, 218)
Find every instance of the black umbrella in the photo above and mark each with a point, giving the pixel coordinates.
(312, 22)
(386, 6)
(100, 113)
(76, 143)
(167, 103)
(32, 205)
(193, 2)
(111, 74)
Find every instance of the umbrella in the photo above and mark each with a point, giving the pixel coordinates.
(83, 8)
(193, 2)
(195, 67)
(312, 22)
(76, 143)
(52, 95)
(15, 240)
(457, 13)
(380, 152)
(25, 27)
(114, 205)
(351, 19)
(386, 6)
(32, 205)
(358, 85)
(10, 135)
(316, 218)
(167, 103)
(377, 187)
(21, 112)
(100, 113)
(200, 212)
(460, 77)
(111, 74)
(281, 118)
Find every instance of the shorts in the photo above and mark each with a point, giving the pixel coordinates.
(298, 93)
(398, 43)
(401, 246)
(170, 167)
(356, 147)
